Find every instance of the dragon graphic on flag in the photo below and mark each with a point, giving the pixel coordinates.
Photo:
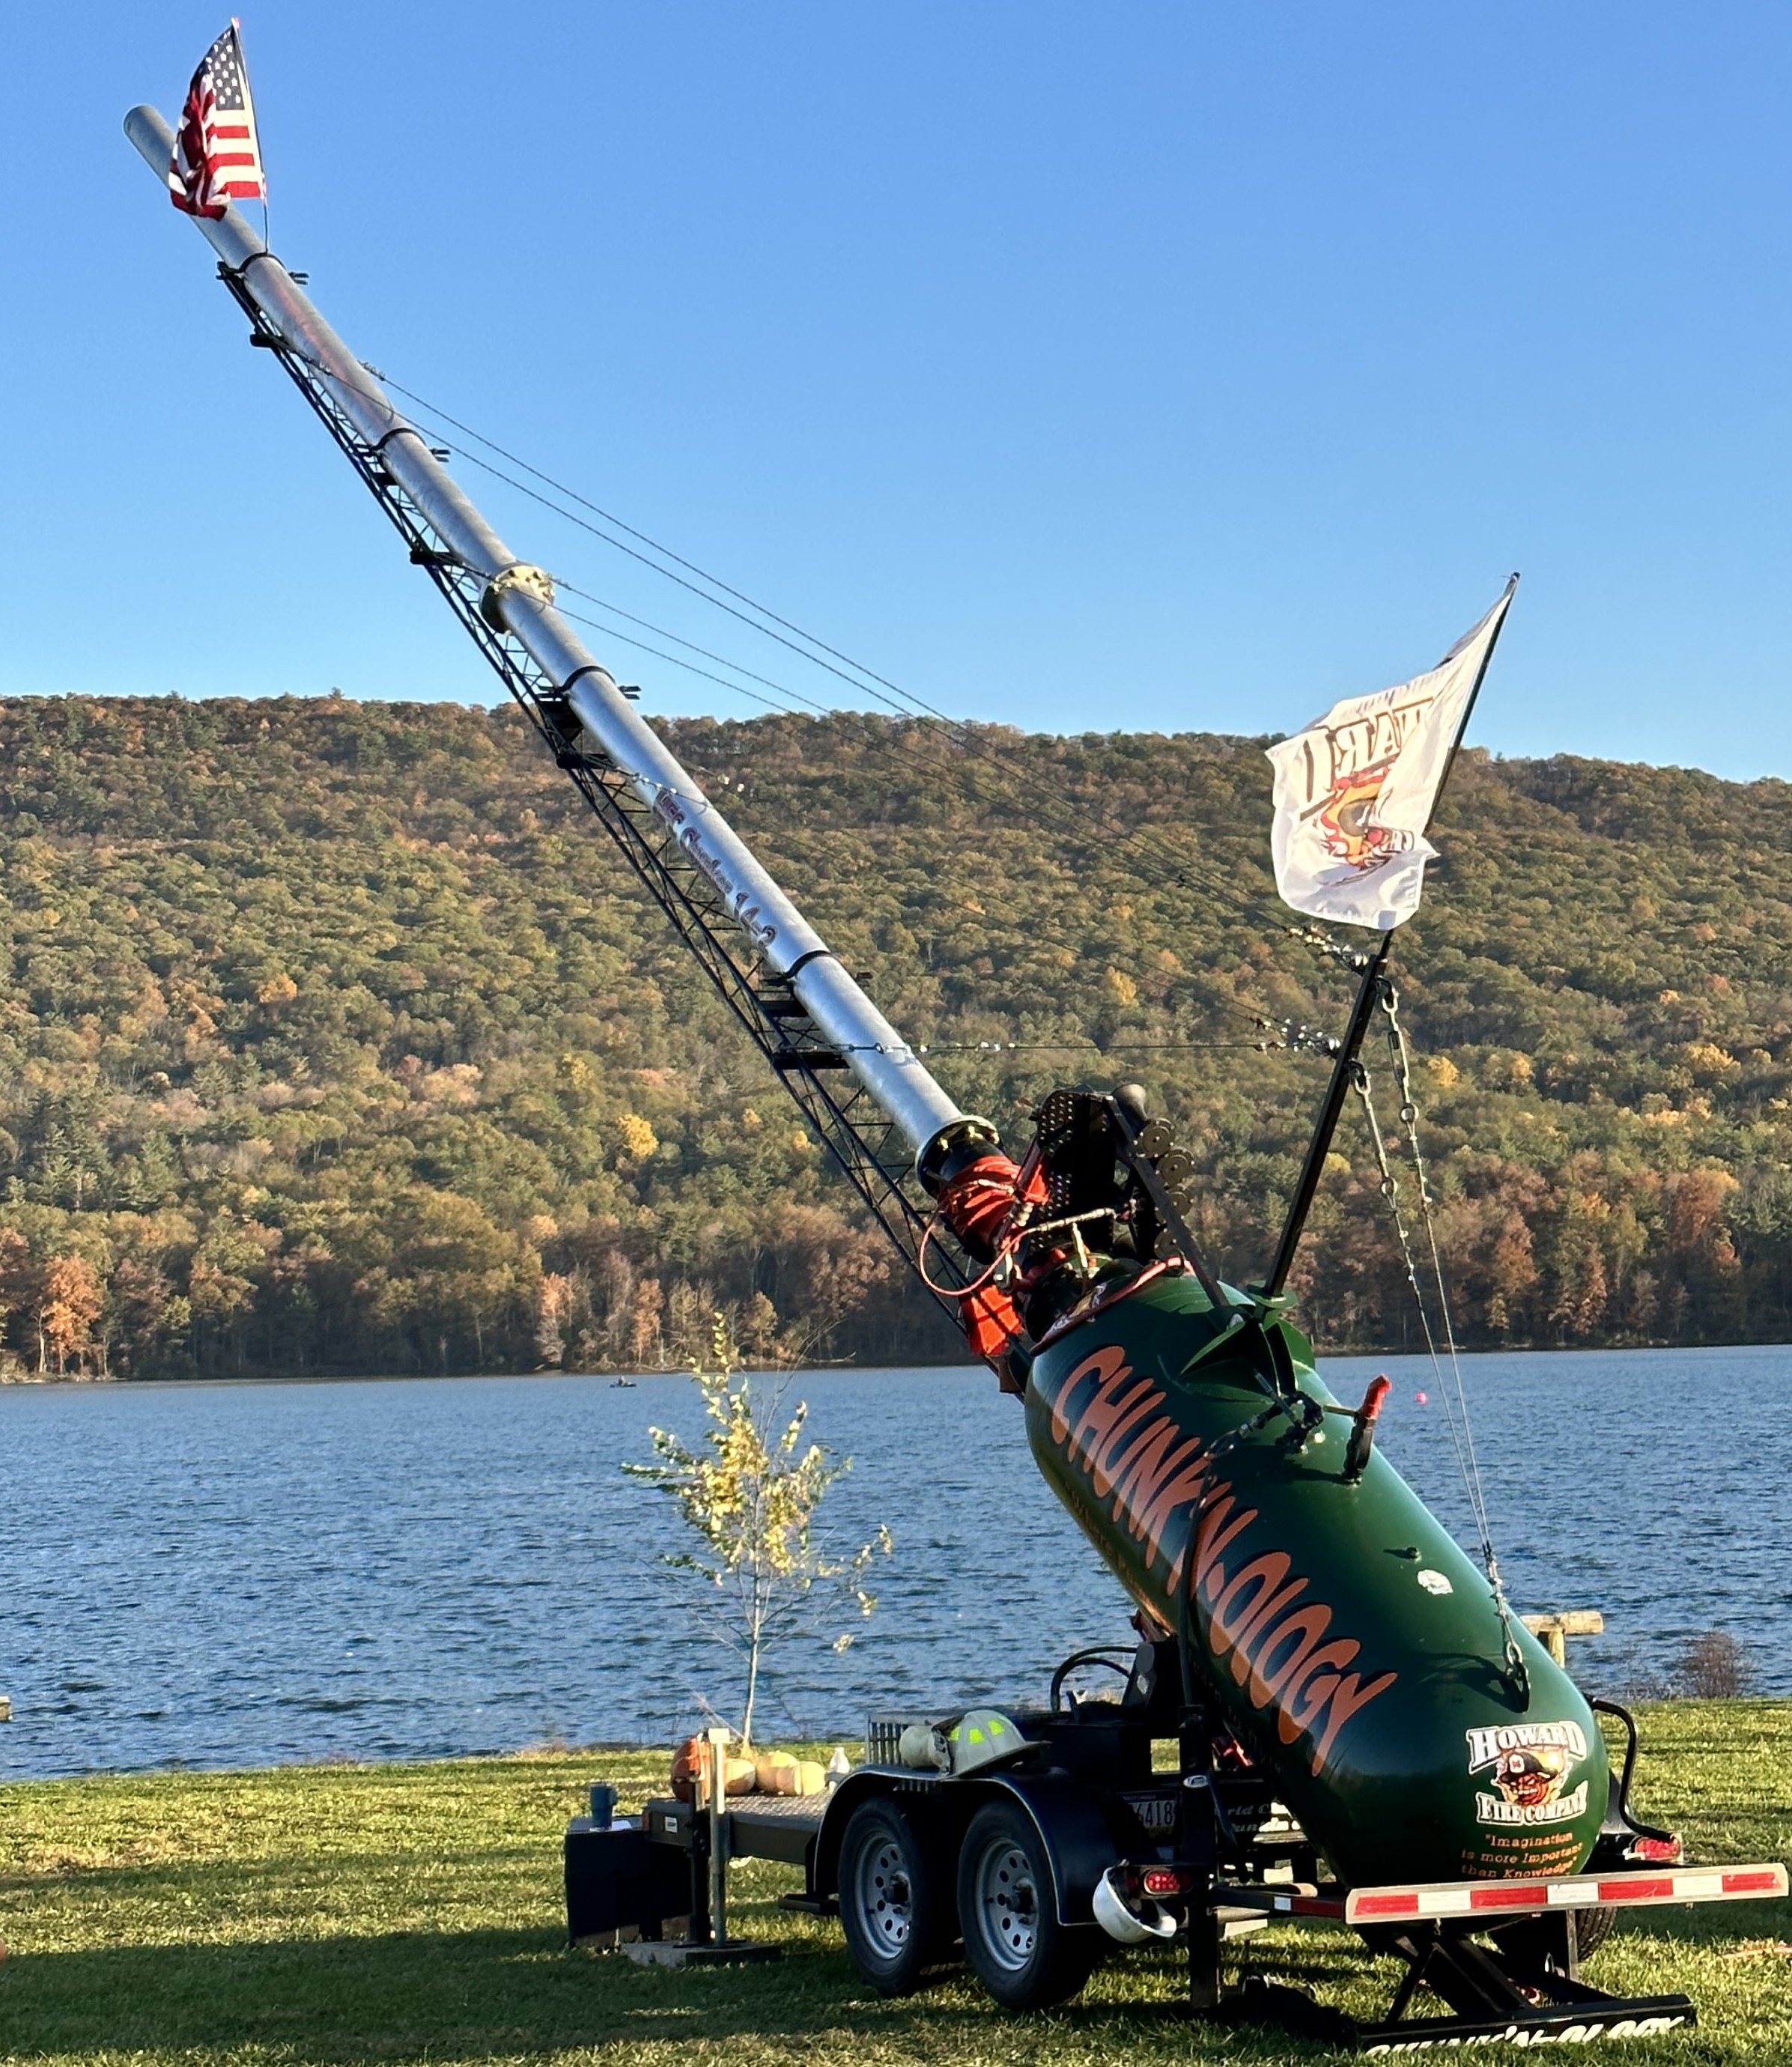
(1354, 791)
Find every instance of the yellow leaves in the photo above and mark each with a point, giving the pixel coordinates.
(1708, 1059)
(1121, 987)
(638, 1138)
(278, 989)
(749, 1493)
(70, 1305)
(1444, 1074)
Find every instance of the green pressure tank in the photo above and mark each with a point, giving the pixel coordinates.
(1356, 1650)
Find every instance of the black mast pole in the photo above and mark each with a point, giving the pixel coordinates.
(1343, 1069)
(1330, 1112)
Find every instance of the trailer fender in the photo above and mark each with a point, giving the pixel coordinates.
(1079, 1846)
(1079, 1843)
(917, 1794)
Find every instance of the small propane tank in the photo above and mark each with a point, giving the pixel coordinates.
(1350, 1643)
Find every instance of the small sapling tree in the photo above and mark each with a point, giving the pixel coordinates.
(749, 1492)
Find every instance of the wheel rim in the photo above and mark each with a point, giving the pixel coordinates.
(1007, 1898)
(884, 1896)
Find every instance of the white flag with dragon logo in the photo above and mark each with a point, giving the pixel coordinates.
(1353, 792)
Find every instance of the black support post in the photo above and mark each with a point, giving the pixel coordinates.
(1325, 1125)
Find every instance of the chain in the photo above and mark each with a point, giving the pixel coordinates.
(1390, 1191)
(1456, 1408)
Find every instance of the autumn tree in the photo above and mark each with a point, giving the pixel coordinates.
(553, 1310)
(18, 1277)
(749, 1494)
(68, 1305)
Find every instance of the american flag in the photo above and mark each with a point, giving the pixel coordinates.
(217, 159)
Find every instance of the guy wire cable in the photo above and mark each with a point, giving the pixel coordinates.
(1178, 869)
(1174, 870)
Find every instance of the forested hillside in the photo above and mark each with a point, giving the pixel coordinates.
(334, 1038)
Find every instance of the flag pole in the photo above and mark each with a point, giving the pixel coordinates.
(1368, 996)
(255, 129)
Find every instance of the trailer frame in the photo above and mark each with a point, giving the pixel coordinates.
(1504, 1956)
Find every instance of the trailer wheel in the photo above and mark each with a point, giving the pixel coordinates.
(1022, 1955)
(894, 1899)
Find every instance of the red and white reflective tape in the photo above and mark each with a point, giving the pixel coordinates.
(1472, 1897)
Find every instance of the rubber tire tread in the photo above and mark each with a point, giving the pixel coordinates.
(873, 1822)
(1064, 1956)
(1592, 1927)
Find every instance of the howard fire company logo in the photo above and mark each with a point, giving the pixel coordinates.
(1529, 1762)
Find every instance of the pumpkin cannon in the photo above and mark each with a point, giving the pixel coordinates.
(1329, 1710)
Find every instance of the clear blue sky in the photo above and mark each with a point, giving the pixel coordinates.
(1144, 367)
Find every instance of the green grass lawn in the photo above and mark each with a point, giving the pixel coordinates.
(346, 1914)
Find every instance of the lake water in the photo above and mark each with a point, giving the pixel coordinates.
(228, 1575)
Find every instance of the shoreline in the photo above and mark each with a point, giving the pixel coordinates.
(1344, 1353)
(1761, 1708)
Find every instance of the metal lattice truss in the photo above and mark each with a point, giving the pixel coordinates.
(850, 1125)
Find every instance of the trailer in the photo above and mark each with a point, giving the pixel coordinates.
(1086, 1837)
(1331, 1711)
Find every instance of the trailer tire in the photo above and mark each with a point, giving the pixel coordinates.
(1019, 1951)
(895, 1898)
(1592, 1927)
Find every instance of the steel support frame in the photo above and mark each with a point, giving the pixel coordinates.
(864, 1142)
(1538, 1993)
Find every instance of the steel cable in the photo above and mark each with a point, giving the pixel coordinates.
(1172, 869)
(1177, 869)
